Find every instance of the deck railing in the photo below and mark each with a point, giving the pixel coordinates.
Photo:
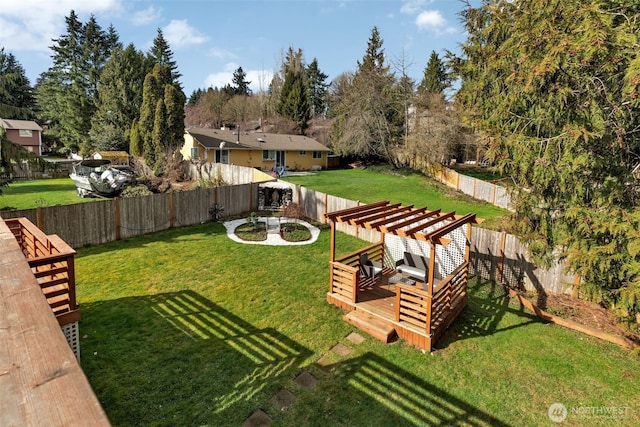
(52, 263)
(346, 279)
(429, 311)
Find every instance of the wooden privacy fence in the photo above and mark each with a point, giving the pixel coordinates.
(104, 221)
(494, 255)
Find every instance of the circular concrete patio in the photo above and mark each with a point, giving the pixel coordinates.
(273, 231)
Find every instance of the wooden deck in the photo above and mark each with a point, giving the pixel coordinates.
(404, 308)
(41, 382)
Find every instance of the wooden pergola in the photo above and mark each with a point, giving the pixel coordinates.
(394, 303)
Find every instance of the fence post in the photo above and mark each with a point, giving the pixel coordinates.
(326, 202)
(172, 210)
(503, 239)
(116, 216)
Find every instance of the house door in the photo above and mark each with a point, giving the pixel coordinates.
(280, 159)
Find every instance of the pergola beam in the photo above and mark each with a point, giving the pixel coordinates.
(372, 214)
(338, 215)
(434, 221)
(405, 212)
(437, 234)
(366, 220)
(392, 229)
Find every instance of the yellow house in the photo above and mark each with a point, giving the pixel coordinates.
(266, 151)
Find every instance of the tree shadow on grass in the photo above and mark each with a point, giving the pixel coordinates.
(179, 359)
(487, 305)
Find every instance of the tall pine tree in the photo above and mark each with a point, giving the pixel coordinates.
(317, 89)
(66, 91)
(554, 88)
(119, 98)
(16, 94)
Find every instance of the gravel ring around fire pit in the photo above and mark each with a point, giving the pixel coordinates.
(273, 238)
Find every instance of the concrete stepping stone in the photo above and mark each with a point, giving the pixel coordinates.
(341, 349)
(283, 399)
(325, 363)
(258, 419)
(355, 338)
(305, 380)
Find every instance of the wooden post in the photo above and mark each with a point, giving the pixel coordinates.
(71, 275)
(39, 217)
(503, 239)
(576, 286)
(116, 216)
(172, 211)
(467, 252)
(332, 244)
(326, 202)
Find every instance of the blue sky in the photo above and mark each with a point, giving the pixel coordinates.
(211, 38)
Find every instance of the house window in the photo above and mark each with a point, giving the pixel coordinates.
(222, 156)
(194, 153)
(302, 153)
(26, 133)
(268, 154)
(317, 155)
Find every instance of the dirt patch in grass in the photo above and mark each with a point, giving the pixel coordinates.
(583, 312)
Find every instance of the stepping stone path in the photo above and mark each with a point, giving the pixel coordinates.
(284, 398)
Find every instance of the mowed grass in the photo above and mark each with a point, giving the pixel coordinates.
(187, 327)
(411, 188)
(41, 192)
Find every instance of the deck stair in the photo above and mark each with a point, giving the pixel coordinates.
(371, 325)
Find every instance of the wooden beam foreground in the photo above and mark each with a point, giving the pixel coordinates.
(41, 382)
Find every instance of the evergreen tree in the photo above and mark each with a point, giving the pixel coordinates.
(135, 142)
(174, 117)
(293, 102)
(159, 88)
(240, 84)
(16, 94)
(161, 54)
(317, 89)
(160, 134)
(66, 91)
(554, 88)
(435, 78)
(195, 97)
(119, 98)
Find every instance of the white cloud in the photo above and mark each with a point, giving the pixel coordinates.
(146, 16)
(179, 33)
(260, 79)
(411, 7)
(429, 19)
(221, 53)
(31, 24)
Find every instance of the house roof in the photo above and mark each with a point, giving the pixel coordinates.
(211, 138)
(19, 124)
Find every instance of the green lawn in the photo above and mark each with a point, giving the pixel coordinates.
(186, 327)
(413, 188)
(42, 192)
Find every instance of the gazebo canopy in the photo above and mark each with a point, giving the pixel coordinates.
(404, 221)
